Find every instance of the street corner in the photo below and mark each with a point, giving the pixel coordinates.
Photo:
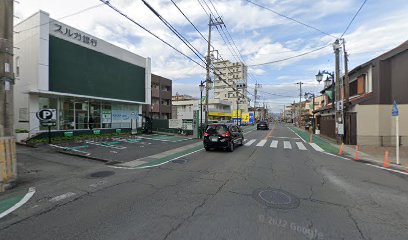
(14, 199)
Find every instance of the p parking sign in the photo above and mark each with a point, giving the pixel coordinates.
(47, 115)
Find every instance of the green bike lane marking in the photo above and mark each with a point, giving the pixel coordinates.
(11, 204)
(326, 146)
(8, 203)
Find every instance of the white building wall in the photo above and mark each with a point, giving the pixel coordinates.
(31, 42)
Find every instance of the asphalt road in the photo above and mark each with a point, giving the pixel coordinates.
(263, 190)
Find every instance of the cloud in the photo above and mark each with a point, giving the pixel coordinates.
(260, 35)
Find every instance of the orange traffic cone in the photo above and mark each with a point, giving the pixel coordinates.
(356, 156)
(341, 149)
(386, 160)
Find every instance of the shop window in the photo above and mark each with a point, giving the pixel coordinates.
(66, 119)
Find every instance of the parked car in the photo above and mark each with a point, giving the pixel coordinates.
(262, 125)
(223, 136)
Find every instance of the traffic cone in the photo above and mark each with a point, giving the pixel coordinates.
(386, 160)
(341, 149)
(356, 156)
(311, 138)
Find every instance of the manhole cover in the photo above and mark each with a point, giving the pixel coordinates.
(101, 174)
(179, 161)
(276, 198)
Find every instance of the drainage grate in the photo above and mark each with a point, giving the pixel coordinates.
(101, 174)
(276, 198)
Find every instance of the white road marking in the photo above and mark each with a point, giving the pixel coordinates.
(301, 146)
(316, 147)
(296, 134)
(245, 140)
(249, 143)
(286, 145)
(25, 199)
(103, 145)
(62, 197)
(261, 143)
(274, 144)
(287, 138)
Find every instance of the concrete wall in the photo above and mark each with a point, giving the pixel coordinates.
(33, 67)
(376, 126)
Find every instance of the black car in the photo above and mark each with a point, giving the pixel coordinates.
(262, 125)
(222, 135)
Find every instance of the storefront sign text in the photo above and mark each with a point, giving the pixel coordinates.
(75, 35)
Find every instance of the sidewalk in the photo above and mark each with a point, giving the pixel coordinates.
(372, 154)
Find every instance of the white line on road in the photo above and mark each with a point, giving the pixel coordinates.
(274, 144)
(62, 197)
(316, 147)
(286, 145)
(261, 143)
(287, 138)
(107, 146)
(249, 143)
(301, 146)
(296, 134)
(25, 199)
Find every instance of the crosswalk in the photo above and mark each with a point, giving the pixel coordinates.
(294, 144)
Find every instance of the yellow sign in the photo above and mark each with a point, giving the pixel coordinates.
(219, 114)
(235, 114)
(245, 117)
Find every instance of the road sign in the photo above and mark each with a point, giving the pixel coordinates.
(47, 115)
(395, 109)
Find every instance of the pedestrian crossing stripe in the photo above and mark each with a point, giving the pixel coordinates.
(249, 143)
(261, 143)
(286, 144)
(274, 144)
(301, 146)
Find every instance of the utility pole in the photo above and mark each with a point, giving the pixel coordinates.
(338, 101)
(256, 95)
(346, 83)
(211, 23)
(8, 166)
(300, 100)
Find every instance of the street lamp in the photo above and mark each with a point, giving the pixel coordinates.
(312, 95)
(202, 86)
(319, 78)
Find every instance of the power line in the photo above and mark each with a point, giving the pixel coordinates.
(179, 35)
(288, 58)
(106, 2)
(355, 15)
(189, 20)
(292, 19)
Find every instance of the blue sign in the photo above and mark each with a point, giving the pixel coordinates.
(251, 118)
(395, 109)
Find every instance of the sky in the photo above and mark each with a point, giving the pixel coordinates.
(256, 35)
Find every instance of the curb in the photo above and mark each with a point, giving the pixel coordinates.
(84, 156)
(371, 162)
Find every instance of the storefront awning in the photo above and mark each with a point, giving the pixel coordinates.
(51, 93)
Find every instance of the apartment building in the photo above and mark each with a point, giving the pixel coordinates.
(231, 74)
(161, 98)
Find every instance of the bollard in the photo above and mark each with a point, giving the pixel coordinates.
(386, 163)
(341, 149)
(356, 155)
